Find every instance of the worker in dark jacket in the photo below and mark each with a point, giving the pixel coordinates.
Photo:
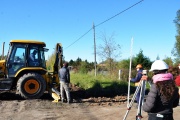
(137, 79)
(64, 77)
(163, 95)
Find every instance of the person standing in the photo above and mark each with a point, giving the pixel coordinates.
(33, 61)
(32, 55)
(137, 79)
(163, 95)
(64, 82)
(177, 79)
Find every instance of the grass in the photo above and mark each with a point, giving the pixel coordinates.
(100, 85)
(87, 81)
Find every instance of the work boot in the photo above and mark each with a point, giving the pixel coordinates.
(69, 101)
(62, 100)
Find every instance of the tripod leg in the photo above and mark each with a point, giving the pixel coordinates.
(139, 116)
(132, 101)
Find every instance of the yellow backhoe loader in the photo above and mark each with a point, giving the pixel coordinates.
(24, 70)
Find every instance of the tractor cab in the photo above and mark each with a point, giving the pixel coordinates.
(24, 54)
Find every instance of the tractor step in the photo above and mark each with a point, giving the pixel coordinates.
(5, 84)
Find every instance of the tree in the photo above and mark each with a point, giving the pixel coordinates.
(124, 64)
(138, 59)
(109, 51)
(141, 59)
(83, 67)
(176, 49)
(50, 61)
(78, 61)
(169, 61)
(71, 63)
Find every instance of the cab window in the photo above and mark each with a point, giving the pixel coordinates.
(17, 58)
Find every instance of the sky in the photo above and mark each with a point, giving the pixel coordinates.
(69, 22)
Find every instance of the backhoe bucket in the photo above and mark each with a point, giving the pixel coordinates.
(55, 94)
(56, 97)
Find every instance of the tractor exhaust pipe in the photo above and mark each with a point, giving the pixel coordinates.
(2, 56)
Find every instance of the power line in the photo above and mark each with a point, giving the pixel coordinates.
(105, 22)
(80, 38)
(119, 13)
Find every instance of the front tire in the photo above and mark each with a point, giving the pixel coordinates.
(31, 86)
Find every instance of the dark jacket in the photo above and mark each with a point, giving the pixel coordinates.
(64, 75)
(138, 76)
(156, 103)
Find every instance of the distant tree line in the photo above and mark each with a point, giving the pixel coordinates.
(81, 66)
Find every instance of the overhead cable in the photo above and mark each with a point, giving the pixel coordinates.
(118, 13)
(105, 22)
(79, 38)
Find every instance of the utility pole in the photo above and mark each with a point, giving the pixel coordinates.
(95, 71)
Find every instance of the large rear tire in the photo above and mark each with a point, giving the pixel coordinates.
(31, 86)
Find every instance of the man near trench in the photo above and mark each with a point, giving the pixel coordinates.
(64, 82)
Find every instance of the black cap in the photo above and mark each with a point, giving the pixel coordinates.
(65, 64)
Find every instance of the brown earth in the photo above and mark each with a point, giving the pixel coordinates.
(13, 107)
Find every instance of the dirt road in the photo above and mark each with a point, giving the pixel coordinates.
(87, 109)
(46, 110)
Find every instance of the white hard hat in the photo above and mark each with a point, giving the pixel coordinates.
(159, 65)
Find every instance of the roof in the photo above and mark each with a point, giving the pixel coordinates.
(28, 42)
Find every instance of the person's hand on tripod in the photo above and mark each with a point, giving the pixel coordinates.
(144, 77)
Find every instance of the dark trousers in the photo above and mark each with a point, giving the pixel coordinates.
(154, 116)
(138, 95)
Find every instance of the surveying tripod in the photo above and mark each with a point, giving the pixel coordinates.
(141, 87)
